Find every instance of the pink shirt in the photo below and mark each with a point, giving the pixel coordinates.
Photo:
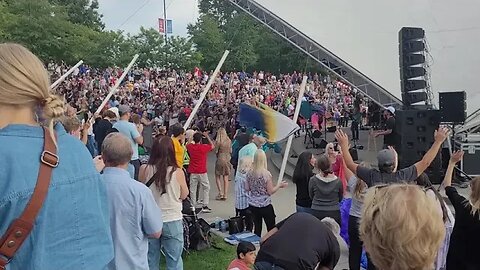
(238, 264)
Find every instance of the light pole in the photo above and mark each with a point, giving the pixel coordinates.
(165, 31)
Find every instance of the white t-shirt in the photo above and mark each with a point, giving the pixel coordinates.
(168, 202)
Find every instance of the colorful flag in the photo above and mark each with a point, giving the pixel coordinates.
(275, 125)
(161, 25)
(169, 27)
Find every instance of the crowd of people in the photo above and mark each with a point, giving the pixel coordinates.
(120, 179)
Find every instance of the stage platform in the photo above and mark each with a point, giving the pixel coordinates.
(368, 154)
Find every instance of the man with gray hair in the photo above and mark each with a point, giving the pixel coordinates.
(134, 215)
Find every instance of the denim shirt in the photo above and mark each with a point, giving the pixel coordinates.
(72, 228)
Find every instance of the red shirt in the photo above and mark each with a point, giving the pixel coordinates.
(238, 264)
(198, 157)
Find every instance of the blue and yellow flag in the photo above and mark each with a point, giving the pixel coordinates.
(275, 125)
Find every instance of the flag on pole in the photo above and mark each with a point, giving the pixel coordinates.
(275, 125)
(169, 27)
(161, 25)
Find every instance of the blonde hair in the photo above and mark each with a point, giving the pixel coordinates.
(329, 145)
(401, 227)
(24, 81)
(222, 137)
(475, 195)
(71, 124)
(245, 164)
(259, 162)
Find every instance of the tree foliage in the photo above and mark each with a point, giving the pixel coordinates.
(70, 30)
(252, 46)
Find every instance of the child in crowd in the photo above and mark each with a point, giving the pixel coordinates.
(245, 257)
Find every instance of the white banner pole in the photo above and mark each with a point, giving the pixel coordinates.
(117, 84)
(290, 138)
(64, 76)
(205, 91)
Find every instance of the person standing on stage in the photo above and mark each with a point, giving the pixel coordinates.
(356, 118)
(389, 134)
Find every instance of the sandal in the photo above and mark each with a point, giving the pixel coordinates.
(219, 197)
(224, 198)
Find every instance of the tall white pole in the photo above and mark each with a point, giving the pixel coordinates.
(117, 84)
(64, 76)
(290, 138)
(205, 91)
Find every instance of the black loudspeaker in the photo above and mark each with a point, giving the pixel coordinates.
(415, 135)
(412, 65)
(453, 108)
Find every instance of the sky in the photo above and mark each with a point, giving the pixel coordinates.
(130, 15)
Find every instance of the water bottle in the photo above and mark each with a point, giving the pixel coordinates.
(223, 226)
(217, 223)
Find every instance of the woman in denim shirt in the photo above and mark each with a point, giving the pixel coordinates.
(71, 230)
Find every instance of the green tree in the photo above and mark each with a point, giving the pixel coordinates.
(252, 46)
(182, 54)
(220, 10)
(242, 37)
(39, 26)
(209, 40)
(149, 44)
(84, 12)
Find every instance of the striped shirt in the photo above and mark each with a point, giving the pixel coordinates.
(241, 194)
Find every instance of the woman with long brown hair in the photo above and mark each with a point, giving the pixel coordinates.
(169, 188)
(223, 148)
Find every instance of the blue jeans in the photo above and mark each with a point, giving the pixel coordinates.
(301, 209)
(171, 243)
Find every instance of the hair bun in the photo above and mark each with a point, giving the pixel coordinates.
(54, 107)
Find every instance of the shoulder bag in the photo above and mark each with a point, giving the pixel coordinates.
(21, 227)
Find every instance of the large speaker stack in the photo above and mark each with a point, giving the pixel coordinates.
(415, 135)
(413, 73)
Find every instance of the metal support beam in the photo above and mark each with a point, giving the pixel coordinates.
(319, 53)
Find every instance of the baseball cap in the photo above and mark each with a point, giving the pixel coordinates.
(123, 109)
(391, 109)
(385, 157)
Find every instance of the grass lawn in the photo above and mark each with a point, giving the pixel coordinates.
(210, 259)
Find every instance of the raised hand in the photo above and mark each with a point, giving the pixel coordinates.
(456, 156)
(342, 138)
(441, 134)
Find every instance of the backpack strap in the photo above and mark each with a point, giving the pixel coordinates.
(21, 227)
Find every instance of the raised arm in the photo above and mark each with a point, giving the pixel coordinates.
(454, 159)
(440, 135)
(209, 139)
(342, 140)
